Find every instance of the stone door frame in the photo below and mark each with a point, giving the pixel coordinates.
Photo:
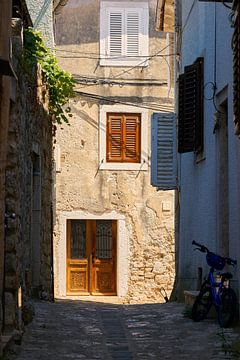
(60, 250)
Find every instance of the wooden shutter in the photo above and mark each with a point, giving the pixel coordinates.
(164, 153)
(190, 108)
(115, 33)
(114, 138)
(236, 67)
(123, 137)
(131, 137)
(133, 33)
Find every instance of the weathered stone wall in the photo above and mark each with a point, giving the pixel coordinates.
(5, 27)
(82, 185)
(30, 136)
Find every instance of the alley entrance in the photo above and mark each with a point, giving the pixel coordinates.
(91, 257)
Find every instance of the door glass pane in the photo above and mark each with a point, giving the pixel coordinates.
(78, 239)
(104, 239)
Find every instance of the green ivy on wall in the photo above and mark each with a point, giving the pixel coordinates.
(60, 83)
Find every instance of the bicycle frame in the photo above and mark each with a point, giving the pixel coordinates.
(215, 288)
(217, 293)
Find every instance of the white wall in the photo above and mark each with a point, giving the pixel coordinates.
(198, 192)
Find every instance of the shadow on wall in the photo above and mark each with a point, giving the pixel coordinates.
(78, 23)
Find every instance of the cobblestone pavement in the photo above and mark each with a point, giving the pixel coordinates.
(94, 330)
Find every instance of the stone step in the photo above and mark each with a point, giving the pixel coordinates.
(190, 297)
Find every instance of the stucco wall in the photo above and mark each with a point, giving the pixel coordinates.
(41, 13)
(82, 186)
(199, 181)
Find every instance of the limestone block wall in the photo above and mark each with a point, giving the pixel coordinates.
(148, 214)
(87, 186)
(29, 138)
(5, 81)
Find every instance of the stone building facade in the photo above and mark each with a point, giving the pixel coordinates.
(5, 81)
(114, 232)
(28, 186)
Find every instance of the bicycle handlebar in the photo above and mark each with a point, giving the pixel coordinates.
(203, 248)
(231, 261)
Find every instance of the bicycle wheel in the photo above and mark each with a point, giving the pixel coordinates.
(202, 303)
(227, 309)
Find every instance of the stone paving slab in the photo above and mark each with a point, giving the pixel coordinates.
(96, 330)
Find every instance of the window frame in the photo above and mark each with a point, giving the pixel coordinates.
(144, 141)
(143, 10)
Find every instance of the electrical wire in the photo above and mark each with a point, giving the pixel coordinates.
(227, 6)
(97, 55)
(141, 63)
(164, 108)
(188, 16)
(81, 79)
(112, 58)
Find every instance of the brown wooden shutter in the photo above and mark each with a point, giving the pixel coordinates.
(123, 137)
(190, 108)
(236, 67)
(114, 138)
(131, 136)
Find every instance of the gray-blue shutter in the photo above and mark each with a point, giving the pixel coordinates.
(164, 153)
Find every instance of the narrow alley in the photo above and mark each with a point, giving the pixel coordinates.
(96, 330)
(119, 179)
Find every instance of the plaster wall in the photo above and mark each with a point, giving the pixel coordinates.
(87, 189)
(41, 13)
(199, 179)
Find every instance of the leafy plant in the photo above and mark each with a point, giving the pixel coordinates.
(60, 82)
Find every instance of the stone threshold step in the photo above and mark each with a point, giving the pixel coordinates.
(190, 297)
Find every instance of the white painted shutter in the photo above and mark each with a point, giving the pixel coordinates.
(115, 33)
(132, 33)
(164, 154)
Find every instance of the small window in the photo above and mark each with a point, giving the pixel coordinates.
(123, 33)
(123, 137)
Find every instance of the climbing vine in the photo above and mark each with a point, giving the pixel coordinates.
(60, 83)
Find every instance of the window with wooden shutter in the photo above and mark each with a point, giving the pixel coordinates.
(123, 137)
(123, 33)
(190, 108)
(164, 154)
(236, 67)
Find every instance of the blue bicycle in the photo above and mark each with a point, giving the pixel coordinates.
(215, 293)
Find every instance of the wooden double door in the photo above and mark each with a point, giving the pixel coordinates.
(91, 257)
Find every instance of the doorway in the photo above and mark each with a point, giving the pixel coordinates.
(91, 257)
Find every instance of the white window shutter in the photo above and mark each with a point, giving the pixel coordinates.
(115, 33)
(164, 154)
(132, 33)
(124, 28)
